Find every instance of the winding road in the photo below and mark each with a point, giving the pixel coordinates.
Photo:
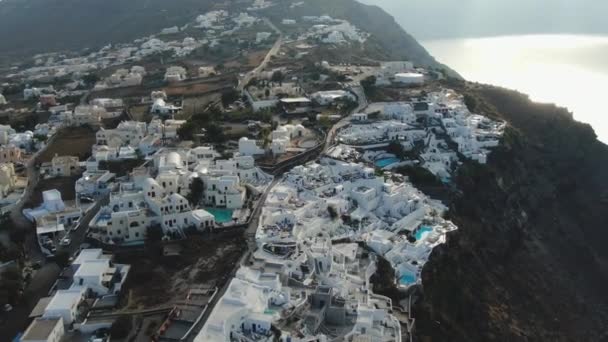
(272, 52)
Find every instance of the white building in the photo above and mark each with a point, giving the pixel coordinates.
(325, 98)
(282, 137)
(8, 179)
(135, 208)
(262, 36)
(94, 183)
(170, 30)
(64, 166)
(65, 305)
(161, 107)
(96, 272)
(409, 78)
(248, 147)
(360, 117)
(127, 133)
(175, 74)
(107, 103)
(206, 71)
(44, 330)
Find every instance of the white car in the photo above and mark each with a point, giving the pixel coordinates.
(66, 241)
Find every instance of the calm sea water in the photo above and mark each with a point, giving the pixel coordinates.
(569, 70)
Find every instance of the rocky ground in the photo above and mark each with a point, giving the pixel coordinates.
(156, 280)
(527, 262)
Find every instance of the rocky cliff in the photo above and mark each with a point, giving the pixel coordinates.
(528, 261)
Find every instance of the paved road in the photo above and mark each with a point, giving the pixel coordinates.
(43, 279)
(253, 225)
(251, 245)
(16, 320)
(362, 104)
(272, 52)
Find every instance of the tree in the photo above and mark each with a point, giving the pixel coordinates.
(10, 285)
(90, 79)
(395, 147)
(228, 97)
(333, 213)
(324, 121)
(154, 233)
(196, 191)
(121, 327)
(277, 76)
(369, 83)
(470, 102)
(62, 258)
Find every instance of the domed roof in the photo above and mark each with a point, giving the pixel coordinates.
(173, 158)
(150, 182)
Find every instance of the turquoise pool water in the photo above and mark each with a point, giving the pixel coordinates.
(422, 231)
(386, 162)
(221, 215)
(132, 243)
(407, 279)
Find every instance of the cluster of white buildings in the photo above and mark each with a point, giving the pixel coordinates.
(306, 280)
(11, 141)
(175, 74)
(132, 137)
(440, 126)
(123, 78)
(332, 31)
(8, 179)
(156, 195)
(53, 219)
(93, 276)
(363, 132)
(281, 141)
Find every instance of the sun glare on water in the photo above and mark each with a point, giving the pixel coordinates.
(568, 70)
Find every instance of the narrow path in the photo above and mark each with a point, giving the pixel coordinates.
(273, 51)
(253, 224)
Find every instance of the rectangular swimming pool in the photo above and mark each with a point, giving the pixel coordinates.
(381, 163)
(407, 279)
(221, 215)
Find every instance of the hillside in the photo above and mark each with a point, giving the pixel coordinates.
(393, 43)
(528, 261)
(33, 26)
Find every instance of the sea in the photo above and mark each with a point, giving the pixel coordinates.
(568, 70)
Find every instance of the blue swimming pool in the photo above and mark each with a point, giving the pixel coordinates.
(422, 231)
(221, 215)
(381, 163)
(132, 243)
(407, 279)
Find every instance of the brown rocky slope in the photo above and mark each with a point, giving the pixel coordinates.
(529, 261)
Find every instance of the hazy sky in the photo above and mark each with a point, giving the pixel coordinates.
(436, 19)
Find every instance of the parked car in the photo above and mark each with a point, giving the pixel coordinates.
(66, 241)
(86, 199)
